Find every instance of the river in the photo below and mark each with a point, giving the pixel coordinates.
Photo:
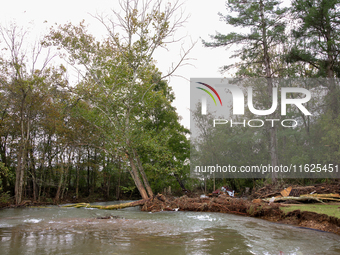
(57, 230)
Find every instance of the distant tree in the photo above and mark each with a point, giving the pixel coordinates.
(317, 43)
(316, 35)
(264, 31)
(26, 78)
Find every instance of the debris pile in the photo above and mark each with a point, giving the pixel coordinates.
(269, 191)
(224, 190)
(305, 198)
(223, 204)
(293, 195)
(160, 203)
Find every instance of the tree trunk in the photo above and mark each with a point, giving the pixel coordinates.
(136, 178)
(78, 170)
(42, 175)
(333, 92)
(61, 179)
(266, 58)
(57, 196)
(77, 185)
(119, 177)
(33, 173)
(94, 174)
(19, 178)
(35, 190)
(145, 179)
(21, 159)
(108, 182)
(4, 161)
(88, 171)
(180, 182)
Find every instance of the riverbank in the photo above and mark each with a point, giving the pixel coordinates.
(273, 212)
(310, 219)
(266, 211)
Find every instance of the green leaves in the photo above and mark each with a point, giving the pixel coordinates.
(121, 91)
(317, 39)
(264, 29)
(6, 176)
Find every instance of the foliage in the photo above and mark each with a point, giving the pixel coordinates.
(5, 197)
(266, 47)
(317, 36)
(5, 174)
(263, 26)
(126, 99)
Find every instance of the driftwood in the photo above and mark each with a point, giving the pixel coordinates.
(324, 196)
(302, 198)
(314, 197)
(158, 199)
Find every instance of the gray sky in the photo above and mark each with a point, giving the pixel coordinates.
(41, 14)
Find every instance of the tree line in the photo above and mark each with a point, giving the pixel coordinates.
(112, 130)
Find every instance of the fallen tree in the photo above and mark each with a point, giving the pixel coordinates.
(308, 197)
(108, 207)
(282, 199)
(223, 204)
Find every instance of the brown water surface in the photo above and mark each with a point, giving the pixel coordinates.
(56, 230)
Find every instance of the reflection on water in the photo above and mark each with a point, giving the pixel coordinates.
(58, 230)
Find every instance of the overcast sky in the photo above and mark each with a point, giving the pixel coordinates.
(204, 20)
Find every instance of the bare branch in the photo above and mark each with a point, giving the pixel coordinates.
(182, 60)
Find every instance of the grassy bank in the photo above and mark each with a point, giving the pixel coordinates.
(328, 209)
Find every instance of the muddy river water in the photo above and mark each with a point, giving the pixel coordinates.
(57, 230)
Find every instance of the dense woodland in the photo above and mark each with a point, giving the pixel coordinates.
(112, 132)
(287, 46)
(109, 134)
